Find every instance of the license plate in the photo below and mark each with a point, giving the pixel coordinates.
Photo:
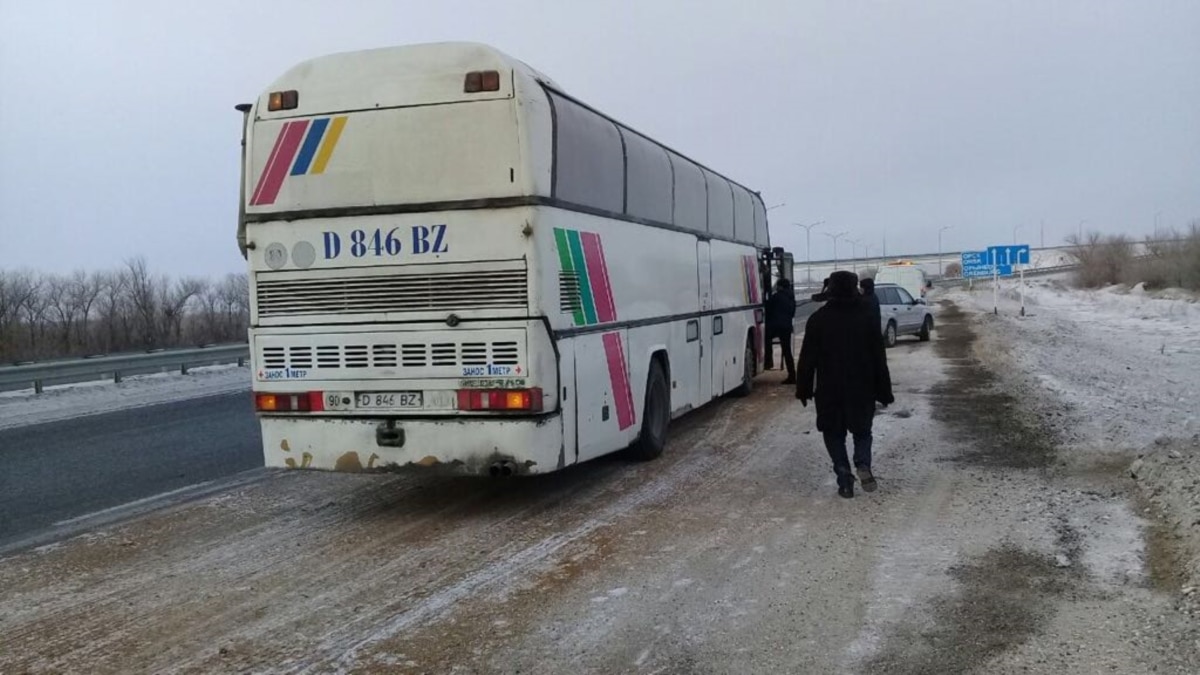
(382, 400)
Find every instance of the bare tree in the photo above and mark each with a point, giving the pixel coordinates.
(174, 302)
(32, 313)
(145, 291)
(235, 300)
(48, 315)
(15, 291)
(115, 311)
(60, 307)
(85, 290)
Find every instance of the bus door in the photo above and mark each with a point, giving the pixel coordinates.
(704, 270)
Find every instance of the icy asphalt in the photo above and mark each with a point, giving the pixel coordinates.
(986, 549)
(63, 470)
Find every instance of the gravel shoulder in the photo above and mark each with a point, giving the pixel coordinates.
(1117, 371)
(731, 553)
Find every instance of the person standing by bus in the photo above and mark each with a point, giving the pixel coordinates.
(781, 313)
(843, 352)
(872, 301)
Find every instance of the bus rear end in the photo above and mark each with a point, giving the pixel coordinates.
(393, 287)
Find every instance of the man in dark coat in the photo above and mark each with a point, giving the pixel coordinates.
(781, 312)
(843, 351)
(872, 301)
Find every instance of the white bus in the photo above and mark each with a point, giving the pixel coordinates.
(454, 263)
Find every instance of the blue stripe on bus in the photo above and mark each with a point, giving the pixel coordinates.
(309, 149)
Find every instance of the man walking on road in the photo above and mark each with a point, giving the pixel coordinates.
(843, 351)
(781, 312)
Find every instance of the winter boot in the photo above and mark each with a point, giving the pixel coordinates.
(846, 488)
(867, 478)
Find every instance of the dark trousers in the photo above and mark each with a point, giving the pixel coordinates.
(835, 443)
(785, 343)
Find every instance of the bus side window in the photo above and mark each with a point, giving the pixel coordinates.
(718, 325)
(589, 166)
(693, 330)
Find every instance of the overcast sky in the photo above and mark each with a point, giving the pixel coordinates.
(118, 135)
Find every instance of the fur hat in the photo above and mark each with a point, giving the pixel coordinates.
(843, 284)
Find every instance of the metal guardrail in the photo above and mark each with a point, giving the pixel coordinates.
(40, 375)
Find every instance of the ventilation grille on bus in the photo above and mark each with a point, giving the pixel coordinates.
(439, 292)
(400, 355)
(570, 299)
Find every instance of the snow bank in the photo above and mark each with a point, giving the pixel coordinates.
(1169, 474)
(21, 408)
(1126, 362)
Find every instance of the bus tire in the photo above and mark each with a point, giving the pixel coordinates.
(656, 416)
(889, 335)
(749, 370)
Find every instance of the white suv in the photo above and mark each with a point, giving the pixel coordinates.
(901, 314)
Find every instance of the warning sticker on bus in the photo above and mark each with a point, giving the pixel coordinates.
(499, 383)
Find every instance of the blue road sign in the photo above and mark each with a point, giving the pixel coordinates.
(1009, 255)
(986, 270)
(973, 258)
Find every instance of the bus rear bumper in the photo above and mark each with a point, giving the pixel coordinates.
(475, 446)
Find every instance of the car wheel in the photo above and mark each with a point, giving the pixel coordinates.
(926, 329)
(749, 370)
(656, 416)
(889, 335)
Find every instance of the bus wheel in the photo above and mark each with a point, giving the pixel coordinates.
(748, 371)
(656, 416)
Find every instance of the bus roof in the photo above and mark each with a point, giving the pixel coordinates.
(386, 64)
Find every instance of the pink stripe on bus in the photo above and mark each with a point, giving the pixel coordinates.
(618, 374)
(270, 160)
(277, 170)
(597, 269)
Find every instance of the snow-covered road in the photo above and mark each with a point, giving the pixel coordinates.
(994, 544)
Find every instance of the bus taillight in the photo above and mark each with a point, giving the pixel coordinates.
(486, 80)
(526, 400)
(310, 401)
(283, 100)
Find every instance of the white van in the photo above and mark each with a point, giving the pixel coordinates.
(910, 277)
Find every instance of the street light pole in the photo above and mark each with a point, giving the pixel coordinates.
(772, 208)
(941, 269)
(835, 238)
(854, 253)
(808, 243)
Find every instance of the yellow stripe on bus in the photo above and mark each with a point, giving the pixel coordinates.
(331, 139)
